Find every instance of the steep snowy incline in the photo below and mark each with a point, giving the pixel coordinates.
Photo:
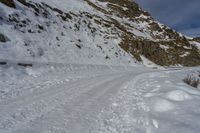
(57, 31)
(89, 32)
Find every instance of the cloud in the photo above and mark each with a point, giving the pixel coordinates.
(181, 15)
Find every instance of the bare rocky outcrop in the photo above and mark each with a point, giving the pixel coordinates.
(3, 38)
(9, 3)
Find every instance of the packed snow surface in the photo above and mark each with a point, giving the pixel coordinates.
(59, 98)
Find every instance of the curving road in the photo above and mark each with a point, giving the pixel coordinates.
(56, 104)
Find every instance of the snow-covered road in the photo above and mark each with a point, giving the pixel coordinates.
(90, 100)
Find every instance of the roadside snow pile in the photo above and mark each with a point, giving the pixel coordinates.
(153, 103)
(11, 73)
(149, 63)
(178, 95)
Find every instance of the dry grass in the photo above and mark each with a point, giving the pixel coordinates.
(192, 81)
(197, 39)
(9, 3)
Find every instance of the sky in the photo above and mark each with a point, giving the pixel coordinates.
(181, 15)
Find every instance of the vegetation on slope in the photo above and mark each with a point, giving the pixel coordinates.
(164, 46)
(179, 50)
(9, 3)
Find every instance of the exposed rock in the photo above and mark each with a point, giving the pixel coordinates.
(3, 38)
(197, 39)
(9, 3)
(25, 64)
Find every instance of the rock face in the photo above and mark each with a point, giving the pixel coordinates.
(197, 39)
(92, 31)
(3, 38)
(9, 3)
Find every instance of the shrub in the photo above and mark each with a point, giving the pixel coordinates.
(192, 81)
(9, 3)
(3, 38)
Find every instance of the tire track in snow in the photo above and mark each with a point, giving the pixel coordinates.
(129, 111)
(38, 104)
(80, 113)
(31, 106)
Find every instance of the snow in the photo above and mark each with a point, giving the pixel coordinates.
(197, 44)
(34, 95)
(162, 105)
(164, 47)
(149, 63)
(153, 102)
(143, 16)
(59, 39)
(178, 95)
(97, 98)
(73, 88)
(185, 54)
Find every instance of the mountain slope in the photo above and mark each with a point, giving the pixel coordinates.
(89, 31)
(197, 39)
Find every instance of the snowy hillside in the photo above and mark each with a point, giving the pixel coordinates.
(42, 31)
(88, 31)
